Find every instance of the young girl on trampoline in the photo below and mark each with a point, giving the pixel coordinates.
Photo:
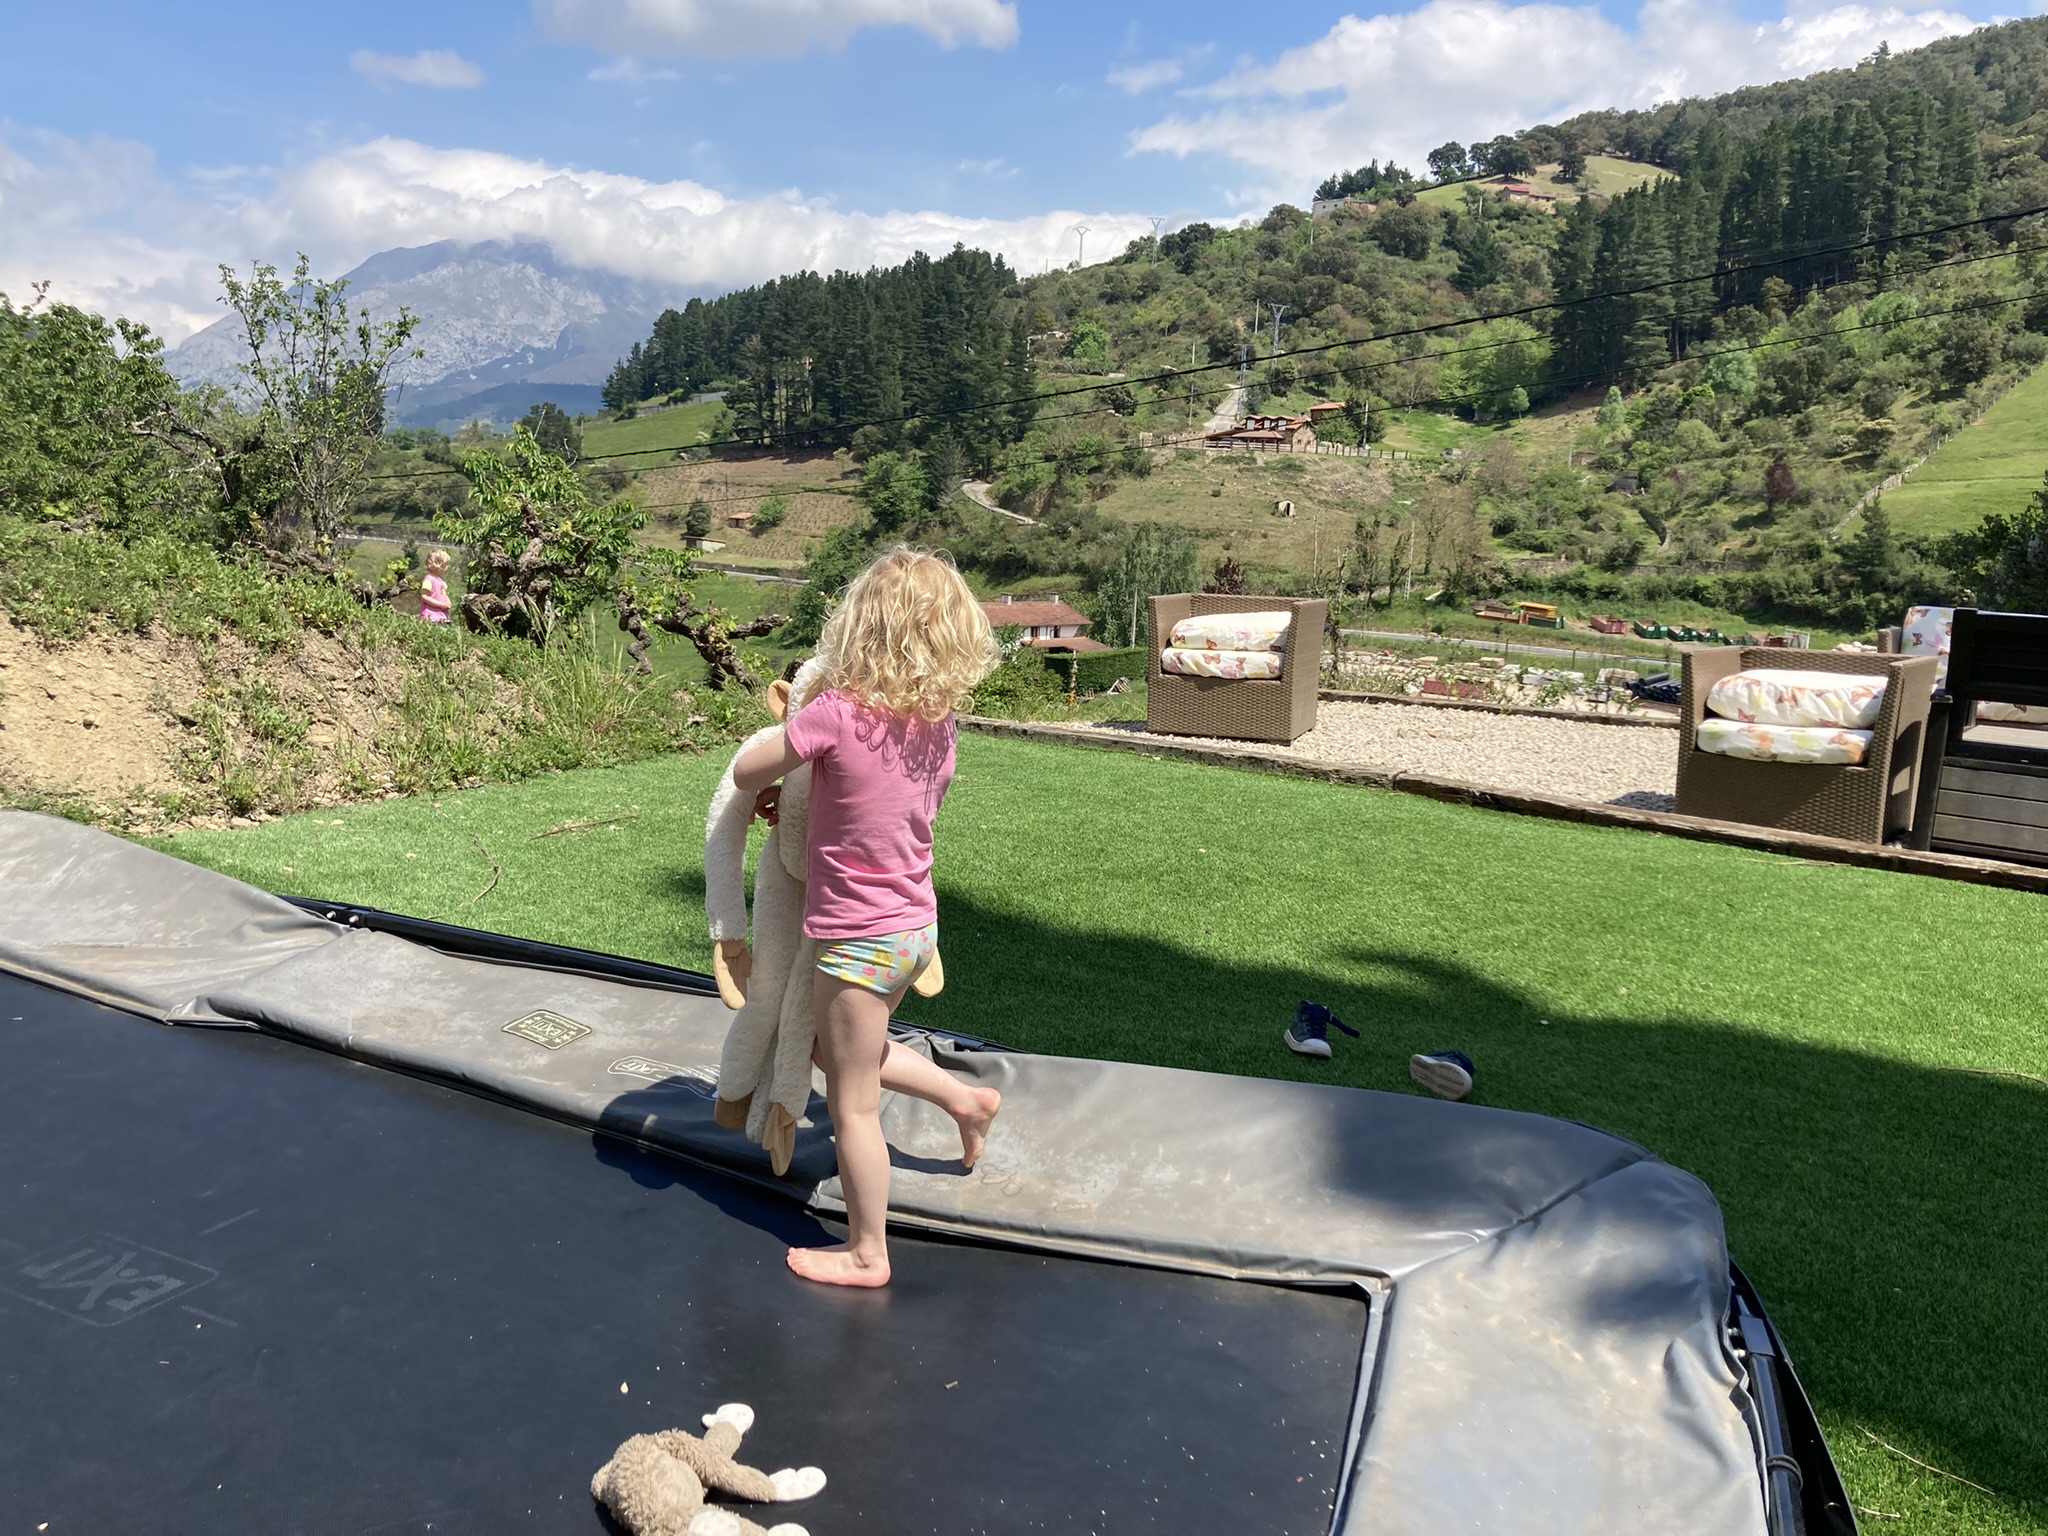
(907, 644)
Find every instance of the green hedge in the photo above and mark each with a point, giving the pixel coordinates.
(1097, 669)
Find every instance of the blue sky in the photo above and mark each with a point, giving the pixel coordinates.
(708, 142)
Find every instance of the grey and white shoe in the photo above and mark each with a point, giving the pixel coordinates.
(1447, 1074)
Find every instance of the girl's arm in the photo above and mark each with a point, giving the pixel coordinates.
(763, 763)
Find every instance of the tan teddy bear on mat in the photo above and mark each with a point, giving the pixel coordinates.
(764, 1073)
(655, 1484)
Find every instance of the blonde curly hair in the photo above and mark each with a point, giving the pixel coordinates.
(908, 637)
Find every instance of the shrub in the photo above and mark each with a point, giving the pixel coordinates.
(1096, 669)
(1018, 689)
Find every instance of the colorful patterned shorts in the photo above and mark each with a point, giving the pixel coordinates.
(886, 963)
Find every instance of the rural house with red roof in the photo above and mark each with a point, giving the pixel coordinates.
(1048, 623)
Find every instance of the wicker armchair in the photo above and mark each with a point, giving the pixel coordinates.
(1866, 802)
(1238, 709)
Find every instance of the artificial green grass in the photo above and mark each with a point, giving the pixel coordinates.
(1993, 465)
(1816, 1042)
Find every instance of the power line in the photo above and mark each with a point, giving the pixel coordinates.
(1320, 348)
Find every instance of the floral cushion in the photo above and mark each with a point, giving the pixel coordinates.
(1782, 743)
(1194, 663)
(1232, 632)
(1768, 697)
(1990, 712)
(1926, 633)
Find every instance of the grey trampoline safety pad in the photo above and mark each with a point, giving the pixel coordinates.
(1544, 1348)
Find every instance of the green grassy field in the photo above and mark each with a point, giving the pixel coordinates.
(676, 427)
(1606, 176)
(1843, 1055)
(1993, 465)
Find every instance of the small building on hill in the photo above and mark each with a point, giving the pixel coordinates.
(1048, 623)
(1276, 432)
(1516, 190)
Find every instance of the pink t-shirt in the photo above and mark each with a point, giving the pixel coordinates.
(434, 603)
(876, 784)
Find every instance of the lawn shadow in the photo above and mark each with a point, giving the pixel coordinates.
(1889, 1212)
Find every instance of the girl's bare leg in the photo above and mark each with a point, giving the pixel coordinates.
(853, 1037)
(972, 1109)
(859, 1061)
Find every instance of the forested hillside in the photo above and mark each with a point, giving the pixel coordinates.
(806, 360)
(1706, 373)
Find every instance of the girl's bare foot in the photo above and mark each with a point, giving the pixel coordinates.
(840, 1264)
(974, 1127)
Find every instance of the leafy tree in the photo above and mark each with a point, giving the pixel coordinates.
(541, 550)
(837, 558)
(696, 518)
(1119, 400)
(2003, 561)
(1730, 373)
(1185, 245)
(1481, 260)
(656, 592)
(1780, 486)
(1504, 156)
(1970, 349)
(1506, 359)
(1405, 230)
(1871, 554)
(554, 429)
(1088, 346)
(318, 375)
(1227, 580)
(897, 493)
(1447, 161)
(1148, 562)
(1572, 164)
(1025, 478)
(772, 511)
(85, 406)
(1612, 417)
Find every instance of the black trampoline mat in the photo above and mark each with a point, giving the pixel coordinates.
(247, 1285)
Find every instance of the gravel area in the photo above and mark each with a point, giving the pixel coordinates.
(1610, 765)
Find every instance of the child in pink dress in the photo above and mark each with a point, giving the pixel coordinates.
(907, 644)
(434, 604)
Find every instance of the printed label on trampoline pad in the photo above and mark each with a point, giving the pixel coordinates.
(666, 1074)
(102, 1280)
(548, 1029)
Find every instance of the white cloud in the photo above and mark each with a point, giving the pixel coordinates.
(1136, 79)
(1397, 85)
(780, 28)
(438, 68)
(99, 218)
(996, 167)
(633, 71)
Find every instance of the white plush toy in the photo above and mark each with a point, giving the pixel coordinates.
(764, 1074)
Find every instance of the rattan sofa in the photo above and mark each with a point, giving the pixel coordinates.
(1867, 802)
(1244, 708)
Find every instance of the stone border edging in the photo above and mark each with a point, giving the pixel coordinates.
(1910, 861)
(1437, 701)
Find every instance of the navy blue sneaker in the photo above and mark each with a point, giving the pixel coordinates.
(1447, 1074)
(1309, 1034)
